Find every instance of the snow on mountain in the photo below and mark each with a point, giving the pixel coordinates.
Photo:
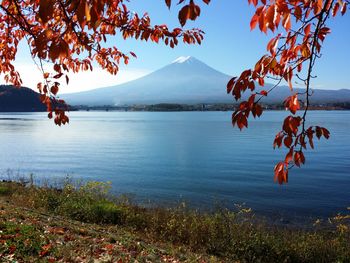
(183, 59)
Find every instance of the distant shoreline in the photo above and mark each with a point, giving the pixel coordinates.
(174, 107)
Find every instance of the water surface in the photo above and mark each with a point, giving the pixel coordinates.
(193, 156)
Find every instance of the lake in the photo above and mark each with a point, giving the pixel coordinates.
(197, 157)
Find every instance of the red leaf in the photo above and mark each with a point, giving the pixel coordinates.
(230, 85)
(298, 12)
(278, 140)
(46, 8)
(254, 21)
(292, 103)
(184, 14)
(242, 122)
(272, 45)
(191, 11)
(281, 173)
(262, 24)
(168, 3)
(263, 92)
(257, 110)
(343, 9)
(335, 9)
(270, 17)
(12, 249)
(291, 124)
(325, 133)
(45, 250)
(299, 158)
(287, 22)
(289, 156)
(254, 2)
(320, 131)
(288, 141)
(307, 29)
(54, 89)
(310, 135)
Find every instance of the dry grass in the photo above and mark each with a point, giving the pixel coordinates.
(223, 236)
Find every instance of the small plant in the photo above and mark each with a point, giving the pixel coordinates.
(106, 212)
(4, 190)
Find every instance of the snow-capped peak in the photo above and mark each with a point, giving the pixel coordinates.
(182, 59)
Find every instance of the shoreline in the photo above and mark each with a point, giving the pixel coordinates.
(174, 107)
(48, 224)
(292, 220)
(275, 218)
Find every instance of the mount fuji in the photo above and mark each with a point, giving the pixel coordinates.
(186, 80)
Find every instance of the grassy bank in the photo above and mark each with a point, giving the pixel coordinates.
(81, 223)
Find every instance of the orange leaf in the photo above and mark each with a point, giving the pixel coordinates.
(288, 141)
(270, 17)
(272, 45)
(254, 21)
(335, 9)
(287, 22)
(307, 29)
(289, 156)
(281, 173)
(262, 24)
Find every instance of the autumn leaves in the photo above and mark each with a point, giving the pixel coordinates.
(301, 29)
(72, 35)
(190, 11)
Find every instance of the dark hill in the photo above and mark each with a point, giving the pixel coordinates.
(14, 99)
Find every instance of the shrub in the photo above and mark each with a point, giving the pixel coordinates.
(4, 190)
(106, 212)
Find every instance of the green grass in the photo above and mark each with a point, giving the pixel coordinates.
(4, 190)
(224, 234)
(22, 240)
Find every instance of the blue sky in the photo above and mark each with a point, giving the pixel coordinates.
(229, 46)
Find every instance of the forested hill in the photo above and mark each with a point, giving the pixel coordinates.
(19, 99)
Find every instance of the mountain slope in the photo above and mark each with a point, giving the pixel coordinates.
(186, 81)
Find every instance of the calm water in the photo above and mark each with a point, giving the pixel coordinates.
(192, 156)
